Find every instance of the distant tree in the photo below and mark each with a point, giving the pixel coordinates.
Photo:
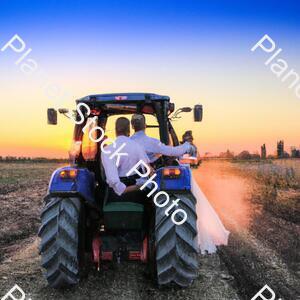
(280, 149)
(255, 156)
(10, 158)
(295, 153)
(244, 155)
(39, 159)
(228, 154)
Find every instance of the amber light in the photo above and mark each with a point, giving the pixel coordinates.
(68, 174)
(96, 112)
(174, 172)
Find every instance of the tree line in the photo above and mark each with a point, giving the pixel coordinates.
(11, 159)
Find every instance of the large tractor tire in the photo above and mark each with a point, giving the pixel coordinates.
(176, 245)
(61, 235)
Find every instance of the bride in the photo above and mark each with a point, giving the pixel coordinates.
(211, 231)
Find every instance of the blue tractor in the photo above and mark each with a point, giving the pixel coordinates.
(79, 219)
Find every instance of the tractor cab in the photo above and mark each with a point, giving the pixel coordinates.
(107, 105)
(103, 110)
(78, 199)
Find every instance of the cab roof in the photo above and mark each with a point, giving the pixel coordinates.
(127, 97)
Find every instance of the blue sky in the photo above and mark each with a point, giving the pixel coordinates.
(190, 50)
(132, 27)
(146, 20)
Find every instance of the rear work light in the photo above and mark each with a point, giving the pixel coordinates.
(68, 174)
(171, 172)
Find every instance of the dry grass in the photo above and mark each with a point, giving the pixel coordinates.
(15, 176)
(278, 186)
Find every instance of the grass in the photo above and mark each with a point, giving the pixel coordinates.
(279, 186)
(268, 251)
(18, 175)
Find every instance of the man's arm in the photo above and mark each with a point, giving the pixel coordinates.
(193, 151)
(144, 157)
(131, 188)
(111, 173)
(112, 176)
(159, 148)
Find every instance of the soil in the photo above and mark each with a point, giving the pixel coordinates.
(263, 249)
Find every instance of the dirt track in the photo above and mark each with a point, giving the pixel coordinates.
(237, 272)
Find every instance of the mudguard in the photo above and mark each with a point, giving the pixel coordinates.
(180, 183)
(83, 184)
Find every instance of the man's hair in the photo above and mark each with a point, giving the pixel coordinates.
(138, 122)
(122, 126)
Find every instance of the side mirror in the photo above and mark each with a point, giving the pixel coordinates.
(198, 113)
(63, 110)
(52, 116)
(186, 109)
(176, 114)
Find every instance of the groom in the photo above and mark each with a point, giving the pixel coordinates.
(152, 146)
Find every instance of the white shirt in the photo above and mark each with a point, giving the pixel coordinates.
(118, 158)
(154, 146)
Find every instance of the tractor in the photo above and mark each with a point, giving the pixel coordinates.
(79, 221)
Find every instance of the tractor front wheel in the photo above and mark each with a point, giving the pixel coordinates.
(61, 246)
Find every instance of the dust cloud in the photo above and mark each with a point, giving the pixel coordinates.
(226, 192)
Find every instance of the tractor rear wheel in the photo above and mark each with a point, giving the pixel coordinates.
(176, 250)
(61, 246)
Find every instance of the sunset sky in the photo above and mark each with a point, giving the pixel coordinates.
(193, 51)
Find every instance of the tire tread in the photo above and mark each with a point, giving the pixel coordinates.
(59, 246)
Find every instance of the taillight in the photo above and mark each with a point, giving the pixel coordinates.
(96, 112)
(171, 172)
(68, 174)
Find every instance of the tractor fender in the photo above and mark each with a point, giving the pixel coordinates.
(83, 184)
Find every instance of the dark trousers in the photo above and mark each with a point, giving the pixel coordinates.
(135, 196)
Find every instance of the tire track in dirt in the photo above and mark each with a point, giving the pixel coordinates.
(127, 280)
(253, 265)
(19, 216)
(19, 220)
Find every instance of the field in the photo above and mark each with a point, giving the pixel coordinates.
(258, 203)
(264, 247)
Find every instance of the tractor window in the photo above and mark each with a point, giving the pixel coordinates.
(171, 142)
(89, 148)
(150, 120)
(153, 132)
(110, 126)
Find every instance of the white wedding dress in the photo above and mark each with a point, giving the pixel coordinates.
(211, 231)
